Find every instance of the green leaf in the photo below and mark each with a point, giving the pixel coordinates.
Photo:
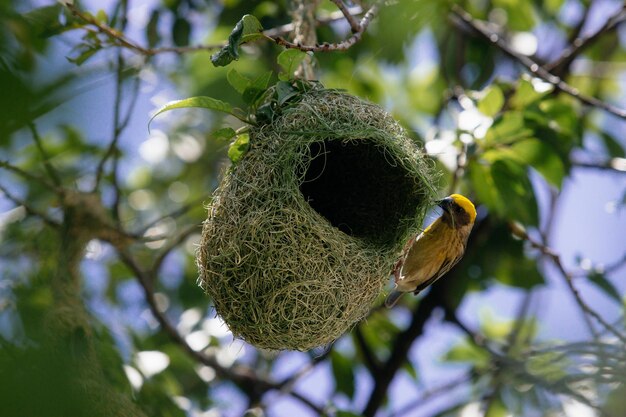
(525, 94)
(508, 128)
(468, 352)
(605, 285)
(483, 186)
(262, 81)
(613, 146)
(246, 30)
(515, 191)
(290, 60)
(225, 133)
(542, 157)
(102, 17)
(284, 92)
(410, 369)
(561, 116)
(200, 101)
(152, 29)
(547, 365)
(344, 413)
(491, 101)
(238, 81)
(252, 29)
(45, 22)
(82, 57)
(497, 408)
(181, 30)
(239, 148)
(343, 372)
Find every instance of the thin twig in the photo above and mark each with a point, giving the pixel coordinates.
(369, 359)
(46, 159)
(289, 382)
(613, 164)
(117, 109)
(354, 24)
(319, 411)
(239, 375)
(401, 346)
(173, 214)
(30, 177)
(180, 238)
(578, 45)
(29, 209)
(340, 46)
(429, 394)
(112, 33)
(123, 41)
(556, 260)
(482, 29)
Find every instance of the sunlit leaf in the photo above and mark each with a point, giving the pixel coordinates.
(225, 133)
(468, 352)
(201, 102)
(491, 101)
(515, 190)
(344, 413)
(290, 60)
(541, 156)
(549, 365)
(262, 81)
(238, 81)
(524, 95)
(563, 115)
(497, 408)
(508, 128)
(239, 148)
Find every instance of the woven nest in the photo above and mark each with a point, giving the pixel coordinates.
(302, 233)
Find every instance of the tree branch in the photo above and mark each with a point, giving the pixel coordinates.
(46, 159)
(368, 356)
(481, 29)
(340, 46)
(430, 394)
(400, 351)
(30, 177)
(180, 238)
(29, 209)
(354, 25)
(560, 65)
(613, 164)
(242, 376)
(121, 40)
(556, 260)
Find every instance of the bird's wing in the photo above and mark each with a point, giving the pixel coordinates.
(446, 265)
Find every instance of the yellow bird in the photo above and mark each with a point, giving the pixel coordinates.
(431, 254)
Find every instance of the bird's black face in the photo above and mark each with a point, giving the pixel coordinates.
(453, 214)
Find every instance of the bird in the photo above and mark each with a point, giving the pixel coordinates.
(429, 255)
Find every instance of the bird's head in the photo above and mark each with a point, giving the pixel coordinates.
(458, 210)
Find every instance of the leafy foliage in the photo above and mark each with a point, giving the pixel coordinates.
(73, 122)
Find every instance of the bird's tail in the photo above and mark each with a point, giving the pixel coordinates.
(393, 298)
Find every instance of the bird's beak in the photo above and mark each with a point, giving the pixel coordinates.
(445, 203)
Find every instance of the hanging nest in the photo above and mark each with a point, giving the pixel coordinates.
(303, 232)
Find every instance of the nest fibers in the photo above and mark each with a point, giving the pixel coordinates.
(302, 233)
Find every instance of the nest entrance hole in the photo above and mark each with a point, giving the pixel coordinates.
(359, 188)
